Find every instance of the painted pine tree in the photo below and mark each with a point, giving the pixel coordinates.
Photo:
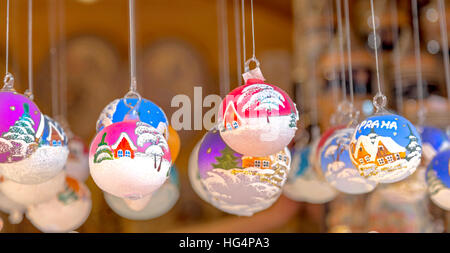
(22, 130)
(293, 121)
(67, 196)
(413, 146)
(103, 151)
(227, 160)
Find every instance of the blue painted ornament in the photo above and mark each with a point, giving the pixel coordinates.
(148, 112)
(433, 141)
(386, 148)
(438, 179)
(338, 168)
(303, 183)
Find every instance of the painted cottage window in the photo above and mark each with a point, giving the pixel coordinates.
(120, 153)
(235, 124)
(280, 157)
(389, 159)
(265, 164)
(380, 161)
(367, 158)
(361, 160)
(257, 163)
(397, 156)
(127, 153)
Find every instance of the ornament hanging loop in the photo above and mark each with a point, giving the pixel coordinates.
(249, 61)
(8, 81)
(379, 101)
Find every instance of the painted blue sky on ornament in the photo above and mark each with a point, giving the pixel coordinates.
(390, 125)
(440, 164)
(304, 160)
(148, 111)
(173, 177)
(344, 157)
(433, 135)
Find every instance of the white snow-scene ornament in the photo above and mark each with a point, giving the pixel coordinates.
(160, 202)
(386, 148)
(46, 162)
(438, 179)
(240, 184)
(257, 119)
(13, 209)
(28, 194)
(129, 159)
(77, 165)
(337, 167)
(65, 212)
(303, 183)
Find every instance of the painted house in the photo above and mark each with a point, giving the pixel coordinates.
(231, 119)
(264, 162)
(380, 151)
(124, 147)
(54, 138)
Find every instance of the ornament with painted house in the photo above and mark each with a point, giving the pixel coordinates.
(129, 159)
(386, 148)
(257, 119)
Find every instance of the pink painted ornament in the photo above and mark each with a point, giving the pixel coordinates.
(129, 159)
(257, 119)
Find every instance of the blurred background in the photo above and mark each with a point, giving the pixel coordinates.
(178, 48)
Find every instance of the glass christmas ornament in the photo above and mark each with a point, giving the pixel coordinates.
(337, 167)
(65, 211)
(257, 119)
(433, 141)
(13, 209)
(28, 194)
(174, 143)
(47, 160)
(129, 159)
(303, 183)
(194, 174)
(20, 128)
(147, 111)
(77, 165)
(160, 203)
(438, 179)
(240, 184)
(386, 148)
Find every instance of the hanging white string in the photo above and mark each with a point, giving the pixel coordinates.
(332, 49)
(379, 94)
(53, 57)
(244, 56)
(443, 27)
(349, 51)
(253, 59)
(62, 64)
(237, 35)
(341, 49)
(222, 25)
(253, 30)
(396, 58)
(29, 92)
(7, 37)
(8, 79)
(420, 95)
(132, 47)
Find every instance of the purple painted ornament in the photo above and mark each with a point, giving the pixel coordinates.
(20, 128)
